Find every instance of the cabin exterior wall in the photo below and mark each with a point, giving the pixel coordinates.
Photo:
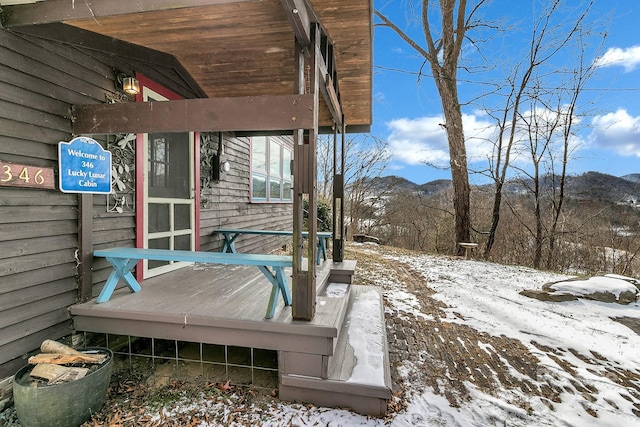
(40, 80)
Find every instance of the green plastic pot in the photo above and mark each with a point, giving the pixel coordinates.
(62, 405)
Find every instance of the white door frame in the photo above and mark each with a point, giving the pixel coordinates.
(149, 94)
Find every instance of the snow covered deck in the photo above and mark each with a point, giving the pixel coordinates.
(325, 361)
(357, 375)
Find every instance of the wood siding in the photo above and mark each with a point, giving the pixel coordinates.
(39, 81)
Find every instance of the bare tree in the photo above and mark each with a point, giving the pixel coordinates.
(365, 159)
(443, 55)
(547, 40)
(324, 155)
(541, 128)
(549, 127)
(573, 88)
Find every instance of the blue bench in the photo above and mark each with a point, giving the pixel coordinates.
(123, 260)
(231, 234)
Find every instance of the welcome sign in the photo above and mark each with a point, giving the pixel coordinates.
(85, 167)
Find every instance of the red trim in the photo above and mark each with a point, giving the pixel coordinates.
(196, 186)
(251, 169)
(146, 81)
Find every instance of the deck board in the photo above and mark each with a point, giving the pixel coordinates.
(199, 290)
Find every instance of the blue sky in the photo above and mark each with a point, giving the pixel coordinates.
(407, 113)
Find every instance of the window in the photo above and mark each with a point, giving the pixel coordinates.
(271, 175)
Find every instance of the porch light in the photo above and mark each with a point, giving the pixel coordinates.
(128, 84)
(131, 85)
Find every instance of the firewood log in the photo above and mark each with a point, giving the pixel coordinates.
(50, 346)
(63, 359)
(56, 374)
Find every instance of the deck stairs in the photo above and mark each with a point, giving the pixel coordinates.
(356, 373)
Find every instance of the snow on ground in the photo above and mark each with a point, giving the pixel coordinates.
(485, 297)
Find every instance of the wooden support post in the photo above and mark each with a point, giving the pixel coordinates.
(338, 196)
(84, 255)
(299, 274)
(305, 186)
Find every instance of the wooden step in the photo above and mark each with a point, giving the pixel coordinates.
(358, 372)
(334, 272)
(331, 309)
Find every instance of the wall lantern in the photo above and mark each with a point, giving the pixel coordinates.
(129, 84)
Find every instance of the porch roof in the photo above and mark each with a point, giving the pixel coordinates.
(231, 48)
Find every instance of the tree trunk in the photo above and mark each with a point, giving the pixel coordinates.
(495, 218)
(539, 239)
(458, 157)
(443, 55)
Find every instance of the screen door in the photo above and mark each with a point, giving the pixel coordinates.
(169, 194)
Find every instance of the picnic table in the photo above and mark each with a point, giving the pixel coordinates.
(231, 234)
(123, 260)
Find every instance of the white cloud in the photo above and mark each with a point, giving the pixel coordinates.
(628, 58)
(424, 140)
(416, 141)
(617, 131)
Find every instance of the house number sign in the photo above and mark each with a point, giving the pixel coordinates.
(15, 175)
(85, 167)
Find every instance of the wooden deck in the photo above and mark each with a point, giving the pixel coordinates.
(225, 305)
(211, 304)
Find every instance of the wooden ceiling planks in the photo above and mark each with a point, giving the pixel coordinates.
(246, 49)
(350, 27)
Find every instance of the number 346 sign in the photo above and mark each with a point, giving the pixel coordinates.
(15, 175)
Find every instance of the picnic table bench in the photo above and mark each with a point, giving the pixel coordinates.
(231, 234)
(124, 259)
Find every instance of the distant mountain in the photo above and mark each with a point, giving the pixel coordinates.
(435, 187)
(393, 182)
(399, 184)
(599, 186)
(633, 177)
(589, 185)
